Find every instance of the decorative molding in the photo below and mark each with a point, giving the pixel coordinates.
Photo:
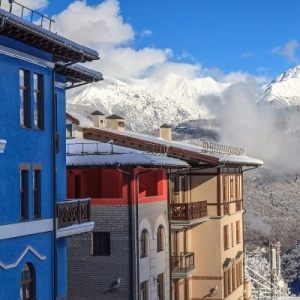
(28, 248)
(25, 228)
(25, 57)
(207, 277)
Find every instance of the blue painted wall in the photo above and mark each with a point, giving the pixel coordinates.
(30, 146)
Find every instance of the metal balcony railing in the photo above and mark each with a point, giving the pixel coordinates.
(188, 211)
(183, 263)
(26, 13)
(73, 212)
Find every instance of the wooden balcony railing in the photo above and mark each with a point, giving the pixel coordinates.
(73, 212)
(226, 209)
(238, 205)
(188, 211)
(184, 262)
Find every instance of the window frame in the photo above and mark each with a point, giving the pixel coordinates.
(144, 290)
(101, 243)
(238, 231)
(225, 237)
(144, 243)
(25, 292)
(24, 192)
(37, 190)
(25, 106)
(38, 99)
(160, 238)
(160, 287)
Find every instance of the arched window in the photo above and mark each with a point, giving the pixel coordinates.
(160, 238)
(144, 241)
(27, 288)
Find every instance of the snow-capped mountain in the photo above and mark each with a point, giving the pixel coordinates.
(284, 90)
(148, 103)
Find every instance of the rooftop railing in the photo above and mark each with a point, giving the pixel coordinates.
(26, 13)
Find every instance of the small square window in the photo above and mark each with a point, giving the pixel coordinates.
(101, 243)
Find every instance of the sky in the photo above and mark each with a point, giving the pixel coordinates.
(227, 40)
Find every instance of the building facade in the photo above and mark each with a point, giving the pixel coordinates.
(35, 70)
(129, 243)
(206, 213)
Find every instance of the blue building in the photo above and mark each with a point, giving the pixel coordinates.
(36, 67)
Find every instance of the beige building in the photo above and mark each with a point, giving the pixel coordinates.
(205, 213)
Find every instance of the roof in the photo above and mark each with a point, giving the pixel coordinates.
(77, 75)
(87, 153)
(165, 126)
(97, 113)
(61, 48)
(79, 120)
(114, 117)
(208, 153)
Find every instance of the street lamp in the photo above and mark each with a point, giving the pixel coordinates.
(2, 145)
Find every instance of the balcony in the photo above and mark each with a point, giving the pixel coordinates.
(183, 265)
(188, 211)
(188, 214)
(238, 205)
(73, 217)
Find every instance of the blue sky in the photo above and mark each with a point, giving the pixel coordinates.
(228, 40)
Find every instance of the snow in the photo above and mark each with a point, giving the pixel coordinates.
(81, 152)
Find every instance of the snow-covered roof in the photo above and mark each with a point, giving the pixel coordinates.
(79, 120)
(82, 152)
(218, 154)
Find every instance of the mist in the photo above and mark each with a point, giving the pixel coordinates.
(267, 134)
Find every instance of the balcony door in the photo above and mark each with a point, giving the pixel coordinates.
(179, 188)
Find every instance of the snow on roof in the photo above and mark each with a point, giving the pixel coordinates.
(81, 152)
(83, 121)
(222, 157)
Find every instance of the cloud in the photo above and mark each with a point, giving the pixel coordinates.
(288, 51)
(235, 77)
(103, 26)
(146, 32)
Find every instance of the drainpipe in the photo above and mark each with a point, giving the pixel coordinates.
(54, 126)
(137, 227)
(131, 242)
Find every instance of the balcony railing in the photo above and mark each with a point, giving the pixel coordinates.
(183, 263)
(226, 208)
(188, 211)
(238, 205)
(73, 212)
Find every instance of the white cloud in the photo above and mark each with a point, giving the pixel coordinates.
(288, 51)
(99, 27)
(246, 55)
(146, 32)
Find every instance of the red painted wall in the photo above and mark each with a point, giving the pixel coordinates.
(110, 186)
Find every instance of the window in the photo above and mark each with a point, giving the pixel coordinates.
(227, 282)
(225, 237)
(144, 244)
(238, 234)
(24, 194)
(232, 235)
(24, 98)
(144, 290)
(231, 189)
(38, 83)
(225, 189)
(27, 288)
(239, 273)
(160, 238)
(36, 193)
(233, 277)
(160, 287)
(101, 243)
(77, 186)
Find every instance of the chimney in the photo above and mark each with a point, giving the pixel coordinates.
(165, 132)
(98, 119)
(115, 122)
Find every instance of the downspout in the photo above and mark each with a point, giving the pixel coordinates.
(243, 223)
(54, 125)
(131, 242)
(137, 227)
